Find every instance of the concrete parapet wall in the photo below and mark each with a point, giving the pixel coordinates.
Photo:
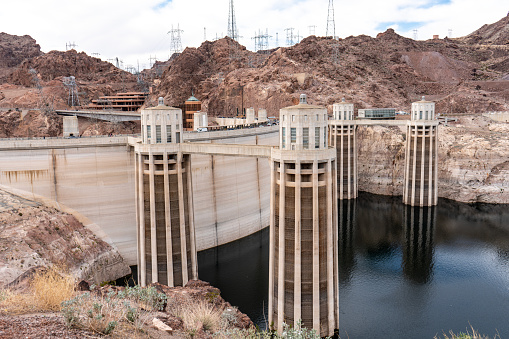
(498, 116)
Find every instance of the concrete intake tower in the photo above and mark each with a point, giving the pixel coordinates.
(303, 258)
(164, 201)
(343, 137)
(420, 187)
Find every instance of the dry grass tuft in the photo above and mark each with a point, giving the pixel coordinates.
(51, 288)
(48, 289)
(200, 315)
(473, 334)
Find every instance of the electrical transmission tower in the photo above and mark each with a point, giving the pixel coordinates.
(262, 40)
(152, 58)
(289, 36)
(331, 32)
(175, 40)
(232, 23)
(449, 33)
(312, 29)
(72, 88)
(70, 45)
(331, 24)
(44, 105)
(415, 34)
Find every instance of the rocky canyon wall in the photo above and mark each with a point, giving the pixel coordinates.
(473, 160)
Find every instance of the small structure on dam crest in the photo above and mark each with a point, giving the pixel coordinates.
(164, 199)
(421, 182)
(303, 258)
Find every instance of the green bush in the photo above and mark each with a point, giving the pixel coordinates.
(103, 314)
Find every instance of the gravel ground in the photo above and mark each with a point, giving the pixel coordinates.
(39, 326)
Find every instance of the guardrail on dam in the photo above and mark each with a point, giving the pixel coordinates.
(95, 177)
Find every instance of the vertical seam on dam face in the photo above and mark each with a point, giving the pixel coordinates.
(214, 198)
(54, 165)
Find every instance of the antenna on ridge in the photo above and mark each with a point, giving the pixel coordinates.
(175, 40)
(232, 23)
(331, 24)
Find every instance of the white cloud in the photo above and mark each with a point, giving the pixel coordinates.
(134, 30)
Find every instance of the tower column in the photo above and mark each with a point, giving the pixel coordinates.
(165, 220)
(421, 185)
(303, 283)
(343, 138)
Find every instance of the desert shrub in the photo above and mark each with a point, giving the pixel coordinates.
(104, 314)
(148, 298)
(289, 332)
(99, 314)
(298, 332)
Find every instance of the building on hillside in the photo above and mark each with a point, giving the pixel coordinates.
(126, 102)
(376, 113)
(191, 106)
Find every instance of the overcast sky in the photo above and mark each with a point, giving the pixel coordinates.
(135, 30)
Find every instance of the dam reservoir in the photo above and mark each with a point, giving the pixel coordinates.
(404, 272)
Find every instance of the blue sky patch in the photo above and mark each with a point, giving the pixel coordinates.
(433, 3)
(402, 26)
(162, 4)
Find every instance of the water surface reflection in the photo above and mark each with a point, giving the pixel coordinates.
(403, 272)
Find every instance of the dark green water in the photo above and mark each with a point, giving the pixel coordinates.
(404, 272)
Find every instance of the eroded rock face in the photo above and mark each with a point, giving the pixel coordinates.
(14, 50)
(496, 33)
(34, 235)
(70, 63)
(473, 160)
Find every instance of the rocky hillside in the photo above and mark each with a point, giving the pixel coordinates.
(14, 50)
(71, 63)
(32, 234)
(386, 71)
(494, 34)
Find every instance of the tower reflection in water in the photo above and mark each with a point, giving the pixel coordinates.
(382, 233)
(419, 226)
(347, 220)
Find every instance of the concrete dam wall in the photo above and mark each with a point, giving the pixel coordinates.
(95, 177)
